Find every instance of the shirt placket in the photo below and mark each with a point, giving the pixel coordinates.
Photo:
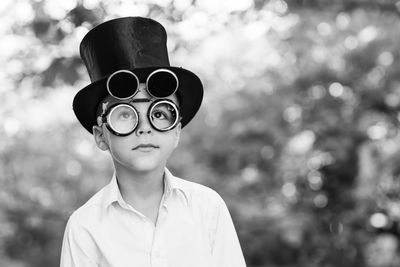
(158, 252)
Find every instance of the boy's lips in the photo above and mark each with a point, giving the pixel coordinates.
(145, 146)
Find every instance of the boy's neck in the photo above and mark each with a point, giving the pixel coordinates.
(138, 188)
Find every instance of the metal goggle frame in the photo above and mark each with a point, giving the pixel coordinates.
(124, 84)
(122, 119)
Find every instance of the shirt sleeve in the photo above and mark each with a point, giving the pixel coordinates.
(76, 247)
(226, 250)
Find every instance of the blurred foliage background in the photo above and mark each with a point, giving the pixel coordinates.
(298, 130)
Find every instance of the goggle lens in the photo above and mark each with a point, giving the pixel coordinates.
(162, 83)
(123, 119)
(122, 84)
(163, 116)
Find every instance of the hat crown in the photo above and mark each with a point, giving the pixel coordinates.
(124, 43)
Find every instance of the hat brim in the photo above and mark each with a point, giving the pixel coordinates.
(190, 94)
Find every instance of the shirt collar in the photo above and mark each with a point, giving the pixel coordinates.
(172, 183)
(113, 194)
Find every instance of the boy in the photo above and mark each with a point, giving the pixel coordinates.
(135, 108)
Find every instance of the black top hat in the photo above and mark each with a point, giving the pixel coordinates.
(136, 44)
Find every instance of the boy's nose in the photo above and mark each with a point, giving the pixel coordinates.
(144, 126)
(141, 131)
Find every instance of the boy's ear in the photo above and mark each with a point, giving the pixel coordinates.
(99, 138)
(177, 134)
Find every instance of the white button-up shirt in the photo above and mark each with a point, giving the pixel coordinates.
(193, 229)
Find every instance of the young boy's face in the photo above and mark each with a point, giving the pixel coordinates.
(145, 149)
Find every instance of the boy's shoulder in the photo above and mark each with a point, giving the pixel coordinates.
(91, 210)
(197, 193)
(191, 187)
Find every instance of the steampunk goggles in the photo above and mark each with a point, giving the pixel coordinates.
(124, 84)
(122, 118)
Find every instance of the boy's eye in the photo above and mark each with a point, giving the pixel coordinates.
(122, 113)
(160, 115)
(125, 115)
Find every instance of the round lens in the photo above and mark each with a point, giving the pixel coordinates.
(164, 115)
(162, 83)
(123, 119)
(122, 84)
